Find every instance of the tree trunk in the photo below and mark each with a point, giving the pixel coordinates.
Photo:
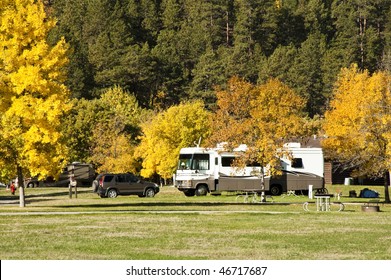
(386, 188)
(227, 29)
(263, 196)
(21, 186)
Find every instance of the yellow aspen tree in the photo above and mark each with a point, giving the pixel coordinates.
(166, 133)
(115, 131)
(231, 122)
(33, 96)
(112, 149)
(277, 117)
(120, 158)
(263, 117)
(358, 123)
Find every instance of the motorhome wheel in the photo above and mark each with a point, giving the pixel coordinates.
(189, 192)
(201, 190)
(275, 190)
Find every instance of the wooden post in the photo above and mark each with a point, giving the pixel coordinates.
(70, 190)
(72, 183)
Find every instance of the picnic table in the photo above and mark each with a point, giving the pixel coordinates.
(323, 203)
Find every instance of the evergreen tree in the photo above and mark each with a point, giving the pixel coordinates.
(160, 49)
(359, 32)
(289, 25)
(110, 42)
(386, 56)
(209, 72)
(72, 16)
(144, 20)
(246, 50)
(305, 75)
(316, 16)
(277, 65)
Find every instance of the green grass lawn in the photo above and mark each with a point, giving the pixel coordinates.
(173, 226)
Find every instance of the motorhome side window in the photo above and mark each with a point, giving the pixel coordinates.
(227, 161)
(253, 164)
(297, 163)
(200, 162)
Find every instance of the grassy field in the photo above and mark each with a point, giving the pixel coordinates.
(173, 226)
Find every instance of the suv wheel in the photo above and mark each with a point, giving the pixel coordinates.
(150, 192)
(112, 193)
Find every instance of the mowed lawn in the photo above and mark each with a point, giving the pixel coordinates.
(172, 226)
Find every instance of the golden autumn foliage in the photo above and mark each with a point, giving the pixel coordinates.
(33, 96)
(117, 155)
(112, 148)
(166, 133)
(264, 117)
(277, 117)
(231, 123)
(358, 123)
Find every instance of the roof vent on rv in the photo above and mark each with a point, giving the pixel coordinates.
(221, 145)
(292, 145)
(241, 148)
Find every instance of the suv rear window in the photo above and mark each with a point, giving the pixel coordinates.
(108, 178)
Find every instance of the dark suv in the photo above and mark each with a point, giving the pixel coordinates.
(112, 185)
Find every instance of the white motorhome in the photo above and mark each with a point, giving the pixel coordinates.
(203, 170)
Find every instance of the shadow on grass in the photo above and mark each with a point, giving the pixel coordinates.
(9, 197)
(32, 198)
(163, 205)
(57, 194)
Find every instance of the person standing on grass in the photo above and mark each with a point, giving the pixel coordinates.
(12, 188)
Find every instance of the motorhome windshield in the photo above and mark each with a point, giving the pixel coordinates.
(193, 162)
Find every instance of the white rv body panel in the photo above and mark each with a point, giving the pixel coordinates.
(212, 169)
(312, 161)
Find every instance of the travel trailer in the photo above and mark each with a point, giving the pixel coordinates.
(83, 173)
(203, 170)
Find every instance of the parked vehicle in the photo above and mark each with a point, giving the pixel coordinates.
(112, 185)
(95, 183)
(83, 173)
(202, 170)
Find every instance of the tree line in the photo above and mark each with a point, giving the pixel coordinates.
(169, 51)
(125, 84)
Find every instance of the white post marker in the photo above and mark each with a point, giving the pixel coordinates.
(310, 193)
(72, 183)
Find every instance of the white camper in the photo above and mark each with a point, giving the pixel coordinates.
(203, 170)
